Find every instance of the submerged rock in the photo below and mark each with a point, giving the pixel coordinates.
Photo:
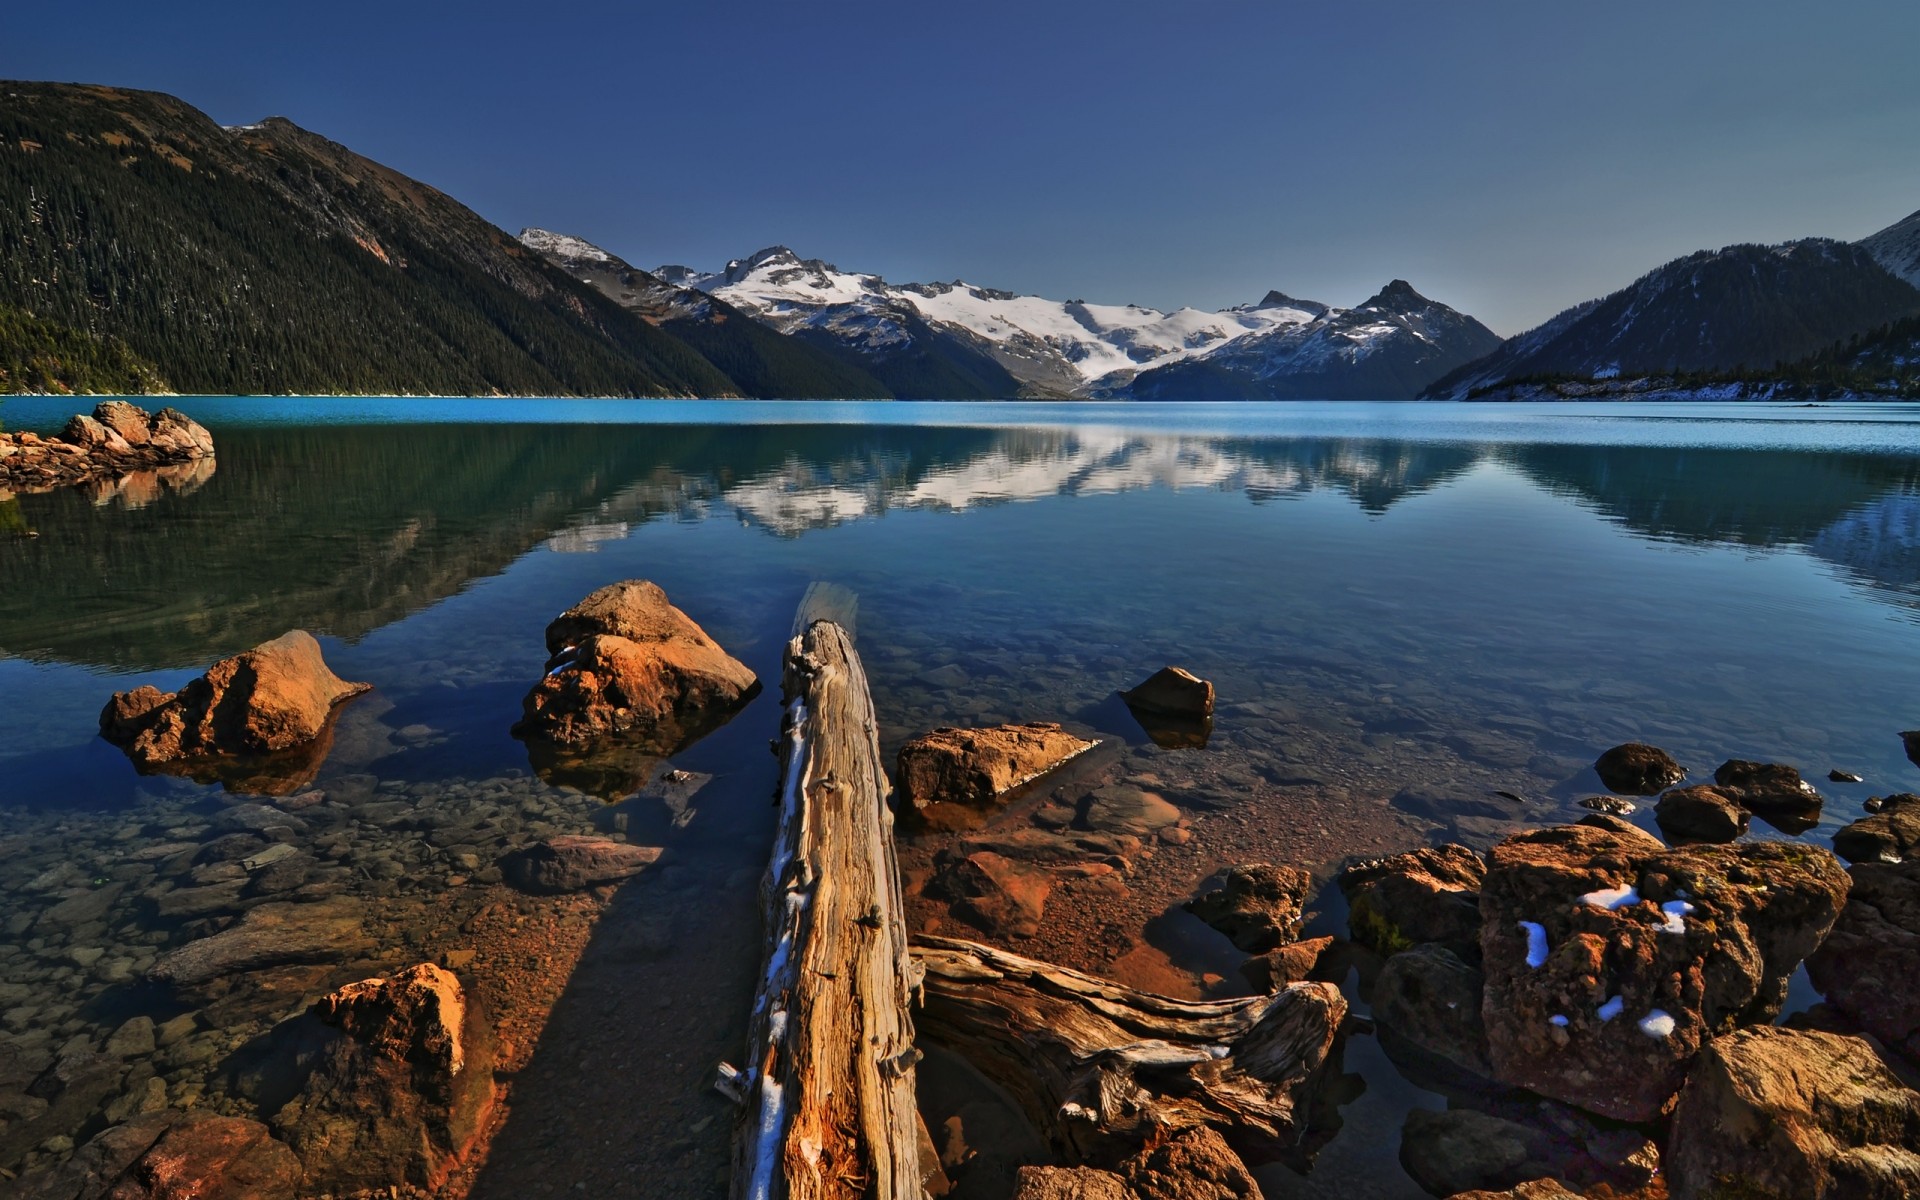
(1613, 806)
(1610, 962)
(1869, 966)
(1426, 895)
(1258, 906)
(976, 768)
(574, 863)
(1638, 769)
(270, 935)
(276, 697)
(173, 1155)
(1782, 1114)
(1838, 776)
(1429, 999)
(628, 666)
(1701, 813)
(1003, 896)
(1890, 835)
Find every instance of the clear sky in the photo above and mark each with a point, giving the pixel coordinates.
(1507, 158)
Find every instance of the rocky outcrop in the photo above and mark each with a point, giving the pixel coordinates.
(1426, 895)
(1782, 1114)
(976, 768)
(270, 935)
(1869, 965)
(1610, 962)
(173, 1155)
(400, 1091)
(1890, 835)
(1428, 998)
(1701, 813)
(116, 440)
(574, 863)
(1638, 769)
(1258, 906)
(275, 698)
(627, 666)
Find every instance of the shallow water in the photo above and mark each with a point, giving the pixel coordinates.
(1433, 603)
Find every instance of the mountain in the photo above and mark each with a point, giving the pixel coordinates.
(42, 356)
(1388, 348)
(1736, 310)
(266, 259)
(1897, 248)
(760, 360)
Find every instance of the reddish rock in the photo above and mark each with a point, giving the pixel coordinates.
(1890, 835)
(1257, 906)
(1533, 1189)
(628, 665)
(173, 1155)
(1609, 964)
(1869, 966)
(400, 1094)
(1003, 896)
(275, 697)
(1295, 962)
(273, 934)
(1701, 813)
(1638, 769)
(95, 437)
(976, 768)
(573, 863)
(1069, 1183)
(1427, 895)
(1192, 1164)
(116, 441)
(1782, 1114)
(132, 423)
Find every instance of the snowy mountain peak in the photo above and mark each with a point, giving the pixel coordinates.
(560, 245)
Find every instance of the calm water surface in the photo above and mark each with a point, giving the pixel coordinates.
(1426, 602)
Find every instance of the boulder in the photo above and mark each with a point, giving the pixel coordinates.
(1194, 1163)
(1638, 769)
(1257, 906)
(1457, 1150)
(1427, 895)
(132, 423)
(173, 1155)
(1069, 1183)
(401, 1091)
(275, 697)
(1125, 809)
(95, 437)
(177, 436)
(270, 935)
(976, 768)
(1294, 962)
(1869, 965)
(1774, 792)
(1911, 741)
(1535, 1189)
(1613, 806)
(1890, 835)
(574, 863)
(1172, 692)
(1701, 813)
(628, 665)
(1783, 1114)
(1002, 896)
(1609, 963)
(1428, 998)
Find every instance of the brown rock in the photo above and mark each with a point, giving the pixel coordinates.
(1003, 896)
(173, 1155)
(1638, 769)
(1427, 895)
(400, 1095)
(1890, 835)
(1291, 963)
(1257, 906)
(574, 863)
(976, 768)
(1172, 692)
(132, 423)
(1701, 813)
(1429, 999)
(270, 935)
(1069, 1183)
(177, 436)
(1781, 1114)
(1869, 966)
(1534, 1189)
(626, 664)
(1192, 1164)
(1609, 964)
(1774, 792)
(275, 697)
(95, 437)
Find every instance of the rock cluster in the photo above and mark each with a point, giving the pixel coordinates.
(1741, 790)
(117, 439)
(1868, 965)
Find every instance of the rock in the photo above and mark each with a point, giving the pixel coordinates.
(1429, 998)
(1773, 792)
(627, 664)
(1890, 835)
(95, 437)
(1295, 962)
(1610, 963)
(1838, 776)
(270, 935)
(1911, 740)
(401, 1094)
(1192, 1164)
(1426, 895)
(1613, 824)
(176, 436)
(1535, 1189)
(1781, 1114)
(132, 424)
(976, 768)
(275, 697)
(1172, 692)
(1868, 965)
(1638, 769)
(1614, 806)
(172, 1155)
(1257, 906)
(134, 1039)
(77, 1085)
(1069, 1183)
(1701, 813)
(574, 863)
(1003, 896)
(1122, 808)
(1458, 1150)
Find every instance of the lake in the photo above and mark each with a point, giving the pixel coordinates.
(1423, 622)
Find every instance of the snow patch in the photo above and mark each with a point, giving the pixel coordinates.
(1612, 898)
(1536, 943)
(1676, 916)
(1657, 1024)
(1558, 1019)
(1611, 1009)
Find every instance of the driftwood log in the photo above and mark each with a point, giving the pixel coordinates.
(1104, 1071)
(828, 1094)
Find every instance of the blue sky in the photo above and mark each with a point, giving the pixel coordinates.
(1507, 158)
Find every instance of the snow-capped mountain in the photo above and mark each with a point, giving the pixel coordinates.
(1897, 248)
(1388, 348)
(1716, 310)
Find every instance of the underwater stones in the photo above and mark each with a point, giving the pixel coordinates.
(277, 697)
(1124, 809)
(172, 1155)
(1869, 964)
(1701, 813)
(273, 934)
(574, 863)
(1610, 962)
(1890, 835)
(1426, 895)
(1258, 905)
(1638, 769)
(976, 768)
(629, 667)
(1004, 897)
(400, 1094)
(1783, 1114)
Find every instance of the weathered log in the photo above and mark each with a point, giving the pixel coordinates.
(1103, 1070)
(828, 1095)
